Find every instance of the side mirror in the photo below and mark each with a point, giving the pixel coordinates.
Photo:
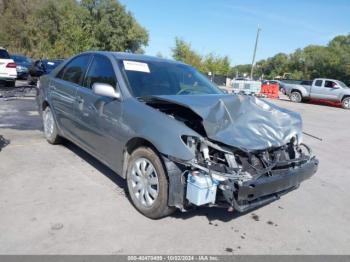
(103, 89)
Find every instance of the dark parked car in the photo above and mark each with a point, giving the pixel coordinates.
(23, 64)
(42, 67)
(172, 134)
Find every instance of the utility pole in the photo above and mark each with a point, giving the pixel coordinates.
(256, 46)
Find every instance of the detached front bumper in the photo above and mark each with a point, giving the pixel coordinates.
(253, 193)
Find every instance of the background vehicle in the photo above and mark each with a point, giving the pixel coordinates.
(172, 134)
(42, 67)
(8, 71)
(320, 88)
(23, 64)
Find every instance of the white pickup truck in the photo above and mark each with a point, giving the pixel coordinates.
(320, 88)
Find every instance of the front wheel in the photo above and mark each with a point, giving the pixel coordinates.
(296, 97)
(346, 103)
(148, 184)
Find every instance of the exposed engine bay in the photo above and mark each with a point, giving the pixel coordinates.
(231, 169)
(238, 176)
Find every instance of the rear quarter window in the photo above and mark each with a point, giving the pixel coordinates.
(318, 83)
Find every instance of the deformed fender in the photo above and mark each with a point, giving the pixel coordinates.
(161, 130)
(176, 184)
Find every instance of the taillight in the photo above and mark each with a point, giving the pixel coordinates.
(11, 65)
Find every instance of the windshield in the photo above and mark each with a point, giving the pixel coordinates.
(4, 54)
(147, 78)
(342, 84)
(21, 59)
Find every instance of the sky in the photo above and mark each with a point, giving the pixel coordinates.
(228, 27)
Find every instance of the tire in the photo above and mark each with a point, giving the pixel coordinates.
(11, 83)
(50, 127)
(296, 97)
(345, 103)
(282, 90)
(148, 184)
(30, 80)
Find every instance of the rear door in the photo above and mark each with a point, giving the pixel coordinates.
(99, 117)
(317, 90)
(63, 90)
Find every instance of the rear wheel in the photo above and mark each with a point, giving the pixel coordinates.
(11, 83)
(346, 103)
(296, 97)
(50, 127)
(30, 80)
(148, 184)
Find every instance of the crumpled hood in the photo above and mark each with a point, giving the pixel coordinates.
(244, 122)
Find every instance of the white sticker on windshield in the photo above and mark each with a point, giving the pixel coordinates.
(50, 63)
(136, 66)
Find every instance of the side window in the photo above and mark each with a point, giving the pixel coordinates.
(318, 83)
(100, 71)
(4, 54)
(74, 71)
(329, 84)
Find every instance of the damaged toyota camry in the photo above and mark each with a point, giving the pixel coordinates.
(172, 134)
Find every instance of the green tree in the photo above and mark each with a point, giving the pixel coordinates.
(210, 63)
(50, 28)
(331, 61)
(183, 52)
(216, 65)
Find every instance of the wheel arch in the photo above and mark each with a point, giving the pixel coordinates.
(344, 96)
(131, 146)
(172, 170)
(44, 104)
(296, 90)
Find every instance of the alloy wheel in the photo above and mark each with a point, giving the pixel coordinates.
(346, 103)
(295, 97)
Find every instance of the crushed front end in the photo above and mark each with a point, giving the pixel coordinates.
(244, 180)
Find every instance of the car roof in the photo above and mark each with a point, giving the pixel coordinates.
(135, 57)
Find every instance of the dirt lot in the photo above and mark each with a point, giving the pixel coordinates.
(60, 200)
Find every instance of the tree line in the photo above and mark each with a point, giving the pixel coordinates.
(215, 64)
(313, 61)
(59, 29)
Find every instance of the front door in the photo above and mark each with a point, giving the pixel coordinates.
(332, 90)
(317, 90)
(99, 117)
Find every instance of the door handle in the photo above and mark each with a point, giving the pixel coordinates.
(80, 100)
(92, 108)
